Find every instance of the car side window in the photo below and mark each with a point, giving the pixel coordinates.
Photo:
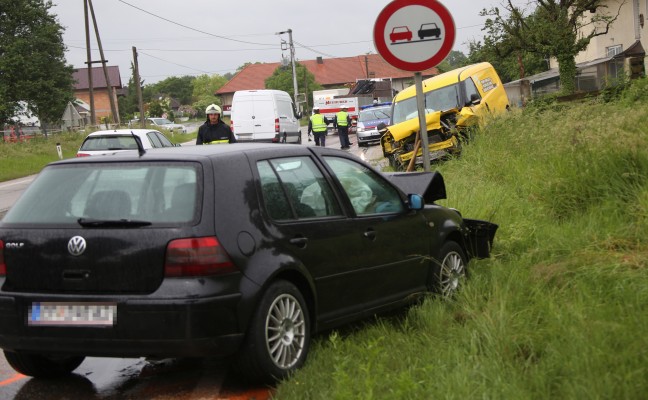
(367, 191)
(471, 89)
(163, 140)
(155, 141)
(294, 188)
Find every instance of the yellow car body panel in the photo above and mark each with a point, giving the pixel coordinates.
(454, 101)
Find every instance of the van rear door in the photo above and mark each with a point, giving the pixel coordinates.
(253, 116)
(264, 118)
(242, 122)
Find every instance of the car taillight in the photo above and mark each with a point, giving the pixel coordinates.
(3, 266)
(196, 257)
(276, 125)
(82, 155)
(232, 126)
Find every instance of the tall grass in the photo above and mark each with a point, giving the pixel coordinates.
(560, 310)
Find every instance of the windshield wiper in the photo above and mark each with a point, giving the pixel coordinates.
(112, 223)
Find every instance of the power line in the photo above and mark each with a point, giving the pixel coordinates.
(194, 29)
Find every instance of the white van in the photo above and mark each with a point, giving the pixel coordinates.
(265, 116)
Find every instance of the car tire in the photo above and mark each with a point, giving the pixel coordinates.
(278, 337)
(40, 366)
(449, 270)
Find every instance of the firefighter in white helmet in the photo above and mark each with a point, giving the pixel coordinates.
(214, 131)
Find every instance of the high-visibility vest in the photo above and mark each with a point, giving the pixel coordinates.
(223, 141)
(342, 118)
(318, 124)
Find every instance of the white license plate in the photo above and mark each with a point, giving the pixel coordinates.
(72, 314)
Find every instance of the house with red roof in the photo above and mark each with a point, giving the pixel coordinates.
(99, 89)
(330, 73)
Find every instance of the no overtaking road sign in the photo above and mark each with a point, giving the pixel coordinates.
(414, 35)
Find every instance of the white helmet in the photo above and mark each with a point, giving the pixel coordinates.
(213, 109)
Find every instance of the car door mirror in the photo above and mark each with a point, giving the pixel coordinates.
(415, 201)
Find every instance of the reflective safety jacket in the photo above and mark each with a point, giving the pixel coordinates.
(215, 133)
(318, 123)
(342, 118)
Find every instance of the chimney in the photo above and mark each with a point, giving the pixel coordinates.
(320, 60)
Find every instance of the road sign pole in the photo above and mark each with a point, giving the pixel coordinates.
(420, 104)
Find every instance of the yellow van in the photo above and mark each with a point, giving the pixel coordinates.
(454, 101)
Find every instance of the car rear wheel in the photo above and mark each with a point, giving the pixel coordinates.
(40, 366)
(449, 270)
(278, 338)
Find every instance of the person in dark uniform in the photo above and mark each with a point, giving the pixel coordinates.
(214, 131)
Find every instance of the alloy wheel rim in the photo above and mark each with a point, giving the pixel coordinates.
(452, 272)
(285, 331)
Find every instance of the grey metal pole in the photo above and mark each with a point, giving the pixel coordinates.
(294, 70)
(420, 104)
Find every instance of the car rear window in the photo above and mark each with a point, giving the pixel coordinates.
(99, 143)
(160, 193)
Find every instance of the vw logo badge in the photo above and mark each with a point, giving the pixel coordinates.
(77, 245)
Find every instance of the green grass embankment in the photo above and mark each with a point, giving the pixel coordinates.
(561, 309)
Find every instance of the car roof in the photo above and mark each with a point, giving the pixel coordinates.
(193, 153)
(122, 132)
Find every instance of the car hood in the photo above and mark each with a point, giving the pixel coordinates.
(372, 123)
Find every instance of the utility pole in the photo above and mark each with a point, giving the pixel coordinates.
(93, 116)
(292, 60)
(103, 61)
(139, 89)
(111, 97)
(367, 65)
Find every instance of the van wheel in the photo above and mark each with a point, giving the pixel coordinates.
(40, 366)
(278, 337)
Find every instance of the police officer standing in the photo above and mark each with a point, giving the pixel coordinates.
(317, 125)
(343, 121)
(214, 131)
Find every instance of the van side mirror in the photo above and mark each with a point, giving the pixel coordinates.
(299, 115)
(474, 99)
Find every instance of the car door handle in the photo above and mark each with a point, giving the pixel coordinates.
(300, 242)
(370, 234)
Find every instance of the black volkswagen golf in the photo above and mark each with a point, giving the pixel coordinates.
(242, 250)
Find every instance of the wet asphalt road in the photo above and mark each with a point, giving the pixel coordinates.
(142, 379)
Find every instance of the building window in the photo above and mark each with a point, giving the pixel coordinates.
(614, 50)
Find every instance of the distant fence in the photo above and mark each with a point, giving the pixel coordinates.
(24, 134)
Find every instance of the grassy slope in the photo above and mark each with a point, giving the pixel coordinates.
(560, 311)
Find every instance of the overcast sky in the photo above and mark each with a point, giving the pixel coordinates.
(195, 37)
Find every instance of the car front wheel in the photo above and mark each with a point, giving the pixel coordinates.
(40, 366)
(278, 337)
(449, 270)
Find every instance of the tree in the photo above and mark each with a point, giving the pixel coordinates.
(510, 65)
(557, 28)
(32, 61)
(180, 88)
(282, 79)
(455, 59)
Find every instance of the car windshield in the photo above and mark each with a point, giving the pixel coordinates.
(374, 113)
(161, 121)
(159, 193)
(441, 99)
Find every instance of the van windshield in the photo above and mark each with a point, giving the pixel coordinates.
(441, 99)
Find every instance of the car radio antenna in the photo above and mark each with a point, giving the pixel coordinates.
(140, 147)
